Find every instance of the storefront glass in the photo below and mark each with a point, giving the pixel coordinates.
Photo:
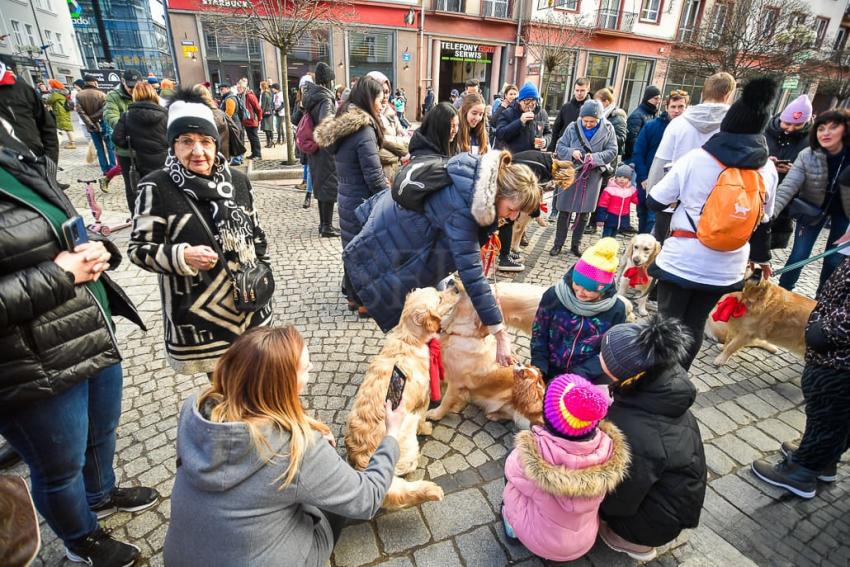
(559, 87)
(680, 77)
(600, 71)
(232, 54)
(638, 75)
(461, 61)
(310, 49)
(370, 51)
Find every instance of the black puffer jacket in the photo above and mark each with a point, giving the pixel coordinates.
(145, 123)
(320, 102)
(828, 331)
(53, 334)
(665, 487)
(784, 145)
(514, 135)
(34, 125)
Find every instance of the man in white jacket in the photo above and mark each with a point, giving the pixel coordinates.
(691, 130)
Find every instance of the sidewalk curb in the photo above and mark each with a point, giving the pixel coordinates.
(286, 172)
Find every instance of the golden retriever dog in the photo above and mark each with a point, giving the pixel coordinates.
(640, 253)
(469, 359)
(774, 317)
(520, 228)
(406, 346)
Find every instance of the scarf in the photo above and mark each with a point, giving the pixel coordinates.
(729, 307)
(590, 132)
(637, 275)
(436, 371)
(607, 112)
(233, 224)
(564, 291)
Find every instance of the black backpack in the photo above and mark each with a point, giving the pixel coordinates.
(418, 180)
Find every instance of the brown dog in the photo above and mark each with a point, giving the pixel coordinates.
(406, 347)
(469, 358)
(774, 316)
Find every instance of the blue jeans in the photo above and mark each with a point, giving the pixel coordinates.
(804, 240)
(646, 216)
(308, 179)
(103, 146)
(68, 442)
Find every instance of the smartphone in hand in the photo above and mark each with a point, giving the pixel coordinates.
(74, 231)
(396, 387)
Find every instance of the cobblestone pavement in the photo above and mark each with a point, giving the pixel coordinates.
(745, 410)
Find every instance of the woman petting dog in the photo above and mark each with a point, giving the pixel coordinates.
(399, 249)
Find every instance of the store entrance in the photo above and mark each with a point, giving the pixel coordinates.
(460, 62)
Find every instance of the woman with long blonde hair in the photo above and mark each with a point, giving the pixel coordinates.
(258, 480)
(472, 134)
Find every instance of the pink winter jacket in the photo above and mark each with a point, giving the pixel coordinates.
(618, 200)
(555, 486)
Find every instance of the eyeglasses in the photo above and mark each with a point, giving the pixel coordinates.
(188, 143)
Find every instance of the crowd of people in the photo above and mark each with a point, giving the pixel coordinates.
(619, 454)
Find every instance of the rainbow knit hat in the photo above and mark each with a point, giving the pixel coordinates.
(572, 406)
(597, 267)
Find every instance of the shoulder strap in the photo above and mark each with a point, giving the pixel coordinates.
(581, 140)
(210, 234)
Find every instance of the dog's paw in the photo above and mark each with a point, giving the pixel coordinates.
(720, 360)
(433, 415)
(642, 311)
(433, 493)
(425, 428)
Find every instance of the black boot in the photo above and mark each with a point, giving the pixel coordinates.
(307, 197)
(561, 229)
(578, 232)
(327, 230)
(322, 211)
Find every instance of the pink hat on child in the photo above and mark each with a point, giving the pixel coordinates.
(572, 406)
(798, 112)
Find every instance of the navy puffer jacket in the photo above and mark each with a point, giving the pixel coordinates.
(399, 249)
(352, 138)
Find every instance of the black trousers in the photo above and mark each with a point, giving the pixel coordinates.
(827, 434)
(662, 226)
(506, 235)
(128, 189)
(254, 139)
(562, 228)
(691, 306)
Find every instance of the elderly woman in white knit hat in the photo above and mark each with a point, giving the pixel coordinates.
(196, 226)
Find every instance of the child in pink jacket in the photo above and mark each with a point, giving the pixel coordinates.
(558, 474)
(616, 200)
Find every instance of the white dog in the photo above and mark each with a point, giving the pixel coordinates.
(640, 253)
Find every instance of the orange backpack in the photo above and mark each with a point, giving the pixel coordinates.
(733, 210)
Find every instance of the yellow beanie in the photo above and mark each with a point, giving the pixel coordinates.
(598, 265)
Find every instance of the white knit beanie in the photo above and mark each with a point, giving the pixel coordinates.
(188, 113)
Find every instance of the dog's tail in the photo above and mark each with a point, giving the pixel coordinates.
(404, 493)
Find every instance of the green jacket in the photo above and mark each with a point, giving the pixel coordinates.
(117, 102)
(56, 101)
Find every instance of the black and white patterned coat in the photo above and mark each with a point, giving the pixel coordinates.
(828, 331)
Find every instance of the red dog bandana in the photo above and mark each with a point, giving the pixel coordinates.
(729, 307)
(637, 276)
(436, 371)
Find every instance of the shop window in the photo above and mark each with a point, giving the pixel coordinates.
(451, 5)
(560, 86)
(680, 78)
(600, 71)
(638, 76)
(650, 11)
(370, 51)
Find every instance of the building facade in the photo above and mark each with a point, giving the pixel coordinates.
(122, 34)
(37, 40)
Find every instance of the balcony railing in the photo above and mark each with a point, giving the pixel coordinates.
(686, 35)
(497, 9)
(616, 20)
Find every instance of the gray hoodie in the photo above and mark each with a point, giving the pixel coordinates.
(685, 133)
(227, 509)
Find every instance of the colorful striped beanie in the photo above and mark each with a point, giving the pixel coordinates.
(598, 265)
(572, 406)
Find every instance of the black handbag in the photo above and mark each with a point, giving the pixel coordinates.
(234, 138)
(252, 287)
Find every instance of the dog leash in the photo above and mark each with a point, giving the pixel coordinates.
(802, 263)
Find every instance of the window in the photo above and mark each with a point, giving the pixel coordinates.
(370, 51)
(717, 27)
(600, 71)
(48, 38)
(650, 11)
(680, 78)
(638, 75)
(560, 86)
(496, 8)
(688, 23)
(821, 24)
(44, 5)
(58, 48)
(798, 19)
(840, 39)
(768, 21)
(609, 14)
(451, 5)
(30, 35)
(571, 5)
(16, 32)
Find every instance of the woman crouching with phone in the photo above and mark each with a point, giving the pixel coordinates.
(259, 481)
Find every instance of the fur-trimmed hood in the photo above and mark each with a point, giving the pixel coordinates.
(483, 172)
(595, 480)
(331, 131)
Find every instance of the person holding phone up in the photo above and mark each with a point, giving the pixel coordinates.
(60, 367)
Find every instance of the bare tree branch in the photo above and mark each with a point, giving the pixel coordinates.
(832, 71)
(747, 37)
(554, 40)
